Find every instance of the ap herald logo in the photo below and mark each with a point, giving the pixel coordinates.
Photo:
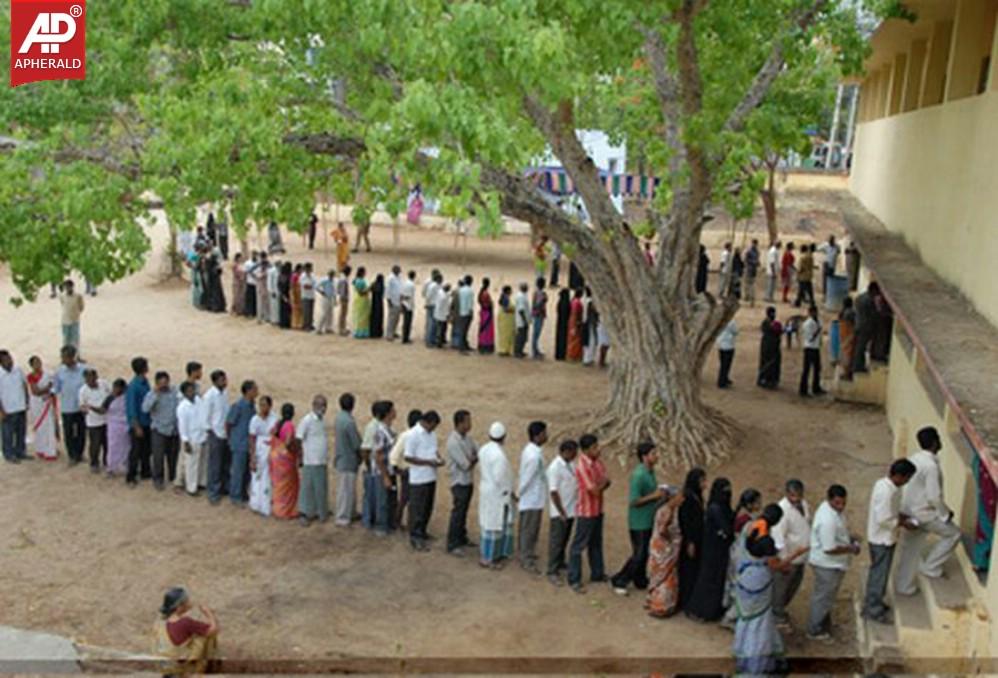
(47, 40)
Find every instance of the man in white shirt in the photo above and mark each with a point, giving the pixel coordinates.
(521, 315)
(772, 270)
(249, 268)
(465, 311)
(192, 425)
(13, 409)
(832, 547)
(326, 290)
(430, 290)
(306, 281)
(407, 297)
(563, 488)
(922, 499)
(462, 457)
(725, 270)
(831, 251)
(424, 459)
(811, 337)
(532, 491)
(393, 295)
(726, 353)
(273, 313)
(441, 313)
(93, 395)
(313, 498)
(216, 404)
(790, 534)
(882, 525)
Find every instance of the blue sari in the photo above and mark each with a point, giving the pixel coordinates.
(758, 646)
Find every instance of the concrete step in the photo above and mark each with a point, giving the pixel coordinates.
(867, 388)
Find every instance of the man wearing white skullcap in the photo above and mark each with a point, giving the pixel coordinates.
(495, 500)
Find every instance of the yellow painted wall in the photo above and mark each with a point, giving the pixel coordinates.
(932, 175)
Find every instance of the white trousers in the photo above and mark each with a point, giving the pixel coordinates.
(911, 559)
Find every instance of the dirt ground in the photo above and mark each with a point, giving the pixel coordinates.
(89, 558)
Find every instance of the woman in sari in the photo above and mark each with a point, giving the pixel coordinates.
(361, 306)
(486, 324)
(987, 496)
(43, 429)
(284, 466)
(506, 322)
(342, 240)
(119, 440)
(188, 643)
(758, 646)
(541, 257)
(770, 355)
(576, 329)
(238, 285)
(261, 425)
(706, 604)
(847, 338)
(297, 317)
(194, 263)
(663, 557)
(691, 527)
(284, 291)
(378, 307)
(748, 510)
(563, 309)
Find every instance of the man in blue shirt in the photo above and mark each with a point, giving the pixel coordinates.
(68, 381)
(237, 427)
(139, 423)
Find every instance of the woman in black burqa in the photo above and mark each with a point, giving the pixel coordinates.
(707, 601)
(691, 527)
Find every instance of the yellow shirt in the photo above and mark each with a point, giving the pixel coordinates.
(72, 307)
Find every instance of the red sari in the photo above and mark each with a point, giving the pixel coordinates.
(284, 473)
(576, 330)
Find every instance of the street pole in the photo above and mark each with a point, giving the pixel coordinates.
(835, 128)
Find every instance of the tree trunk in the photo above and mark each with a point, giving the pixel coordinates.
(768, 196)
(174, 261)
(660, 343)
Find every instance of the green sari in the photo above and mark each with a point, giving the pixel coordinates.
(362, 309)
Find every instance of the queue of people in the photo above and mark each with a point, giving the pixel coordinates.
(716, 561)
(348, 301)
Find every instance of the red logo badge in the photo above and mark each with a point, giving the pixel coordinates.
(47, 40)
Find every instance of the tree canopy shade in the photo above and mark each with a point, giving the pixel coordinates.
(263, 102)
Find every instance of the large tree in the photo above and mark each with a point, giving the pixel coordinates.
(461, 96)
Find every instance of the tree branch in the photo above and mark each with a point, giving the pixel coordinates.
(771, 68)
(667, 90)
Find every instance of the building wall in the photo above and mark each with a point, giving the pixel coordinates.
(932, 175)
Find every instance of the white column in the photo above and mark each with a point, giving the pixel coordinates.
(850, 127)
(835, 128)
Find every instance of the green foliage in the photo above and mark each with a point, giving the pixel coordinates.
(192, 100)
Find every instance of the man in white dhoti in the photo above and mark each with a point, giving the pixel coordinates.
(922, 499)
(496, 500)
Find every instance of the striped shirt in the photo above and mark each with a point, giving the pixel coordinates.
(590, 473)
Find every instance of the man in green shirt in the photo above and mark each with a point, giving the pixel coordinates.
(643, 500)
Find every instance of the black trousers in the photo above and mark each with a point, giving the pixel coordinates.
(558, 535)
(420, 510)
(457, 530)
(97, 442)
(812, 364)
(219, 461)
(406, 326)
(308, 314)
(521, 341)
(465, 325)
(555, 270)
(249, 307)
(74, 431)
(589, 539)
(724, 373)
(441, 338)
(223, 245)
(805, 293)
(165, 449)
(635, 569)
(138, 456)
